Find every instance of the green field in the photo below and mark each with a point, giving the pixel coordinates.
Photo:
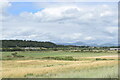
(40, 54)
(60, 64)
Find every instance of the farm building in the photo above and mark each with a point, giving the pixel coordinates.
(114, 48)
(31, 48)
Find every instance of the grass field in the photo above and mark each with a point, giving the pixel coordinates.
(60, 64)
(40, 54)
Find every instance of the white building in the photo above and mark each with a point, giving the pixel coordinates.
(114, 48)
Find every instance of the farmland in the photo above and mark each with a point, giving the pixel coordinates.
(60, 64)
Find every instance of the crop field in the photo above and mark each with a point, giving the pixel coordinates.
(60, 64)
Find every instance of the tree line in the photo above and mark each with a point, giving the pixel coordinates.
(20, 45)
(26, 43)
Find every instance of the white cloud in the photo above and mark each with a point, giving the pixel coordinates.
(89, 38)
(106, 13)
(54, 13)
(101, 14)
(72, 36)
(65, 23)
(112, 29)
(3, 6)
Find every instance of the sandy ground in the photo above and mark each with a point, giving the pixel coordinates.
(110, 56)
(107, 56)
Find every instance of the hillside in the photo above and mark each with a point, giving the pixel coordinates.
(26, 43)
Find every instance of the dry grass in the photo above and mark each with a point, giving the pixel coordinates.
(20, 68)
(48, 68)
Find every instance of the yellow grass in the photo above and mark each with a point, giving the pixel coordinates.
(20, 68)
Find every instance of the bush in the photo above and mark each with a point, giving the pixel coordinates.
(100, 59)
(29, 75)
(20, 56)
(55, 49)
(15, 55)
(61, 58)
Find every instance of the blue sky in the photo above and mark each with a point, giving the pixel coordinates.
(61, 22)
(18, 7)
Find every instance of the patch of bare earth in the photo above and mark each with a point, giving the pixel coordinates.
(107, 56)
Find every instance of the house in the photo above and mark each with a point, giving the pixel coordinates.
(31, 48)
(115, 49)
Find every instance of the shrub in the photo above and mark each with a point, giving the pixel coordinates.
(14, 54)
(20, 56)
(48, 65)
(29, 75)
(61, 58)
(100, 59)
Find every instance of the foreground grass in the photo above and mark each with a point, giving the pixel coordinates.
(60, 64)
(54, 68)
(101, 72)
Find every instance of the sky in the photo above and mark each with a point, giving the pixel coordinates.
(60, 22)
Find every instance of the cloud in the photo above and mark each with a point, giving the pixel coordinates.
(73, 36)
(3, 6)
(53, 14)
(83, 15)
(64, 23)
(89, 38)
(112, 29)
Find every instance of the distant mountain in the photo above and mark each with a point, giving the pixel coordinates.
(91, 43)
(108, 44)
(76, 44)
(79, 44)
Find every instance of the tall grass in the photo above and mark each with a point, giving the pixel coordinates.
(103, 72)
(59, 64)
(50, 68)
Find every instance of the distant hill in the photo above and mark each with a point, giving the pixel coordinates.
(26, 43)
